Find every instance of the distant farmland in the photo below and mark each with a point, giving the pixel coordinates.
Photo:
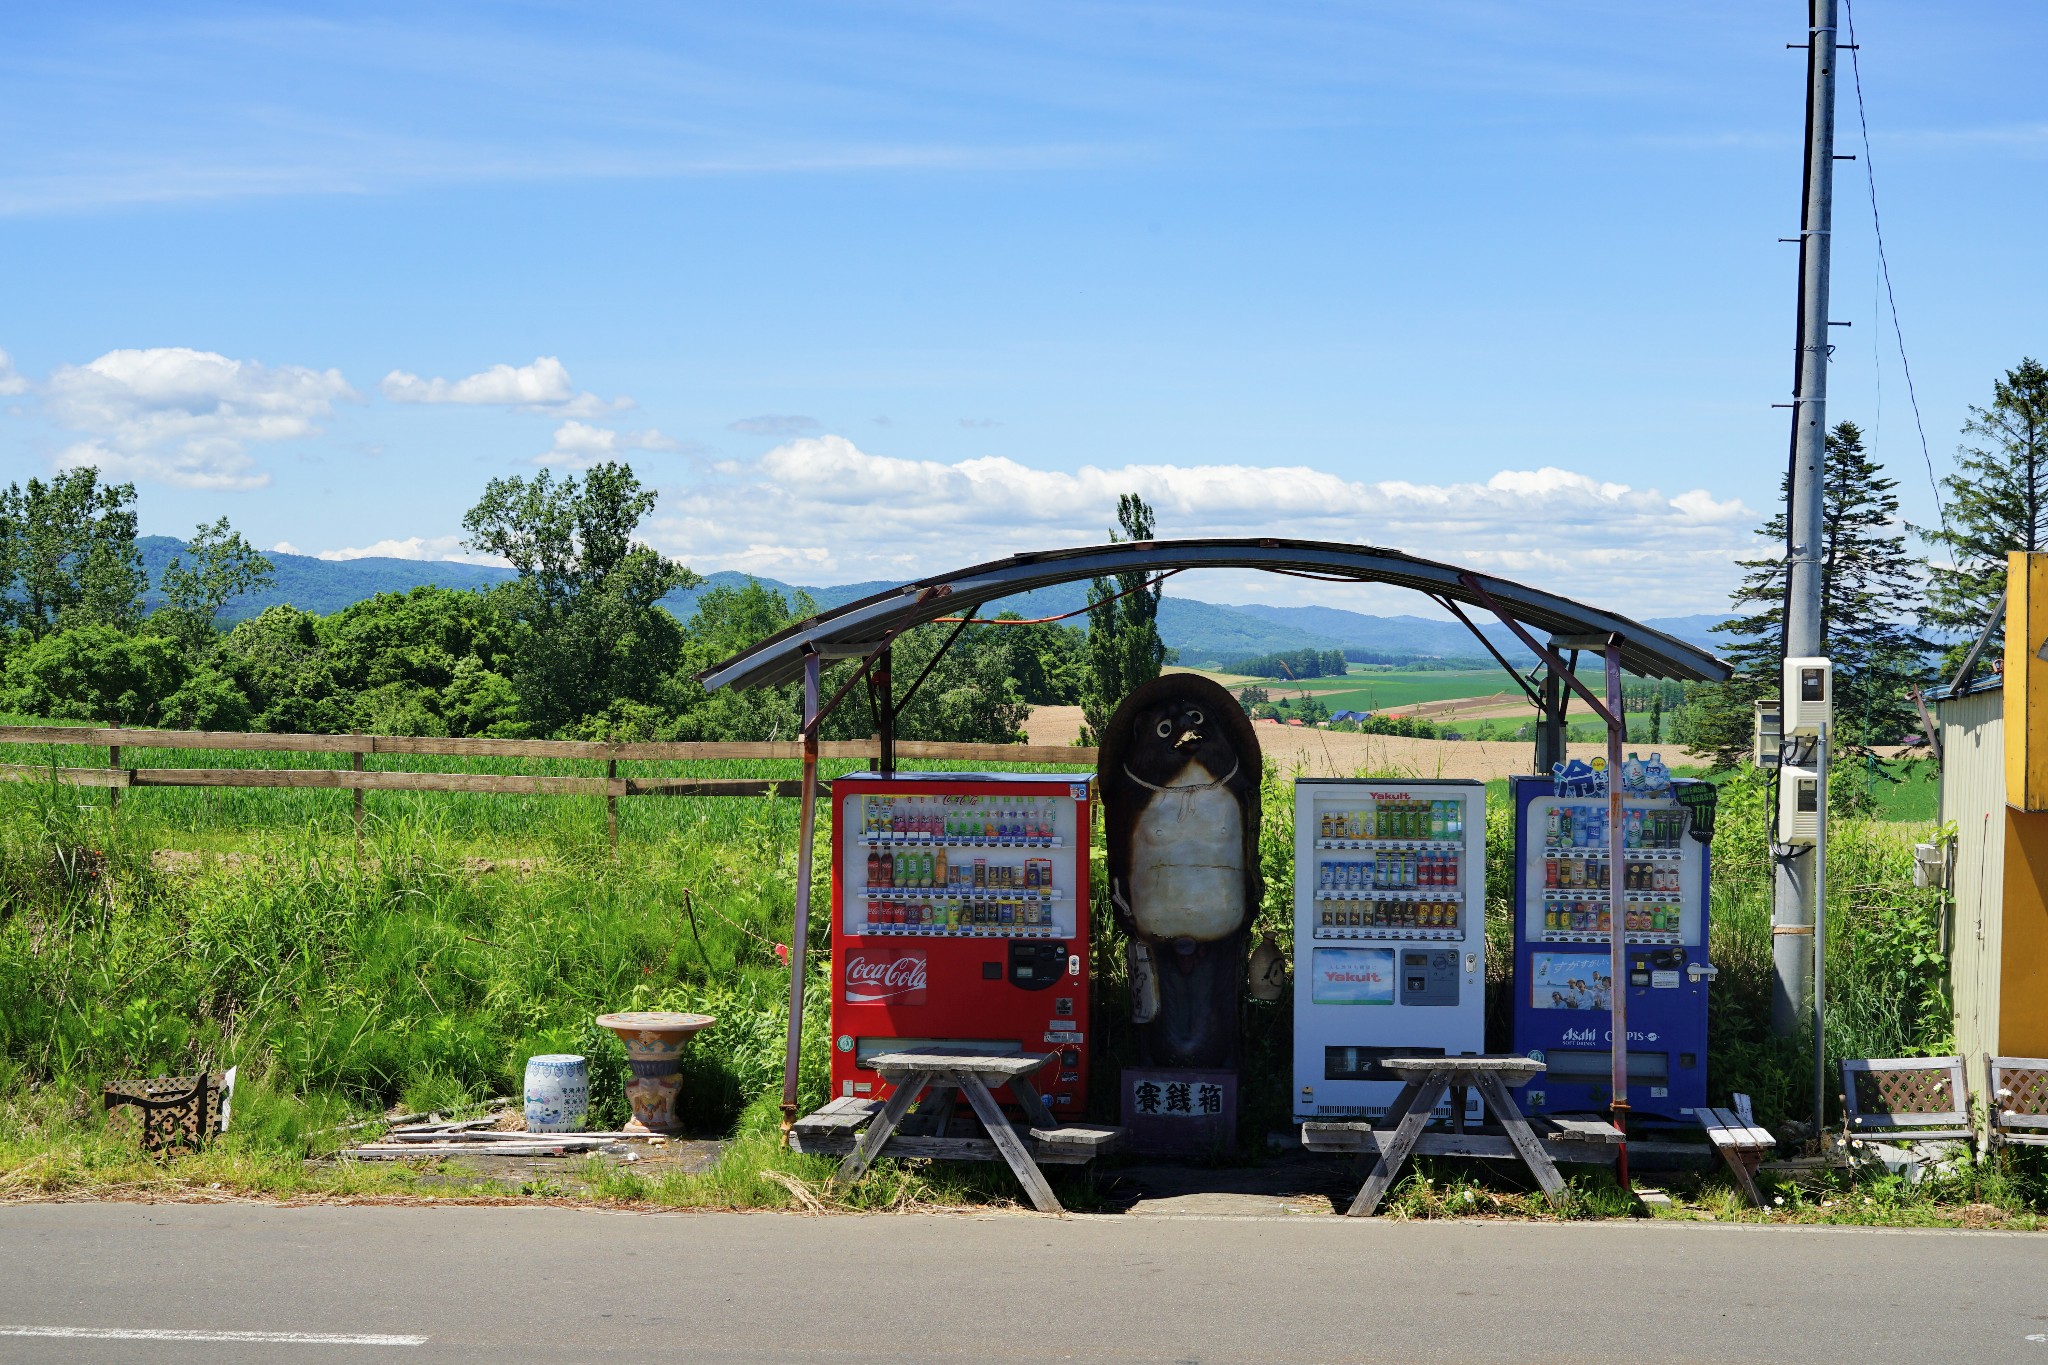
(1378, 691)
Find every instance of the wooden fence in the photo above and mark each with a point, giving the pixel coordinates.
(358, 779)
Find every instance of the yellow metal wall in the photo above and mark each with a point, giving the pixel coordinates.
(2023, 953)
(1973, 797)
(2026, 681)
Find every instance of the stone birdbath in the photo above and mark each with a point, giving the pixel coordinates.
(654, 1041)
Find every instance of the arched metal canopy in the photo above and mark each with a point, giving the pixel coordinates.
(858, 628)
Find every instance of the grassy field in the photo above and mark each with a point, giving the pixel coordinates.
(419, 980)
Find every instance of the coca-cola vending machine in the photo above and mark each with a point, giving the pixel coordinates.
(960, 919)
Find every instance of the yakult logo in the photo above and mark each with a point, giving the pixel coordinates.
(886, 978)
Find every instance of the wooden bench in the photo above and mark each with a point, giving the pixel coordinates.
(1426, 1081)
(2017, 1096)
(1741, 1144)
(935, 1080)
(1905, 1099)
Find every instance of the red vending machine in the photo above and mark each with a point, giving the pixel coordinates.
(960, 918)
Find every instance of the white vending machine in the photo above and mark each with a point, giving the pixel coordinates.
(1389, 936)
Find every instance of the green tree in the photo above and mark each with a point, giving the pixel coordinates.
(224, 566)
(97, 673)
(281, 665)
(1997, 502)
(1048, 660)
(1869, 589)
(588, 595)
(67, 554)
(1124, 648)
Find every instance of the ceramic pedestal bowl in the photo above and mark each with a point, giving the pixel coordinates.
(654, 1041)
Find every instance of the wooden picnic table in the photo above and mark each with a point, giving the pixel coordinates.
(1426, 1081)
(934, 1079)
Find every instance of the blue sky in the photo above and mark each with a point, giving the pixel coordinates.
(879, 290)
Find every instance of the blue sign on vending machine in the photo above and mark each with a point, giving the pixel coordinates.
(1565, 860)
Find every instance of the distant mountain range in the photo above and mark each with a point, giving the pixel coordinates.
(1203, 632)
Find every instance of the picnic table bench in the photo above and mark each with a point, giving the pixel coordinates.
(1741, 1144)
(1539, 1144)
(935, 1079)
(2018, 1106)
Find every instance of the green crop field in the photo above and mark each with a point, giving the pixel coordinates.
(1376, 691)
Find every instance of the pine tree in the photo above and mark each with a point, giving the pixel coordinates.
(1869, 591)
(1998, 502)
(1124, 648)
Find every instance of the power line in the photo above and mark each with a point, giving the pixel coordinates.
(1884, 265)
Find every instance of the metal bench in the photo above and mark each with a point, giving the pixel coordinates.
(1905, 1099)
(1741, 1144)
(2017, 1097)
(173, 1111)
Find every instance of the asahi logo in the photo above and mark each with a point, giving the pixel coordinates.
(1578, 1035)
(886, 978)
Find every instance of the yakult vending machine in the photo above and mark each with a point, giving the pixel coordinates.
(960, 918)
(1389, 935)
(1565, 860)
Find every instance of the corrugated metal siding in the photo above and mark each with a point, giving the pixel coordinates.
(1973, 797)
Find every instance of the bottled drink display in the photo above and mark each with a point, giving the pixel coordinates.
(974, 821)
(1390, 846)
(1417, 820)
(924, 878)
(1578, 860)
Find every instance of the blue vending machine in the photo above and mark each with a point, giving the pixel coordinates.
(1564, 859)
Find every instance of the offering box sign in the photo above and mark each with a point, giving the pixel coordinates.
(1353, 976)
(885, 976)
(1571, 981)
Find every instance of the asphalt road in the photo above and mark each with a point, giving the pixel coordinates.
(79, 1281)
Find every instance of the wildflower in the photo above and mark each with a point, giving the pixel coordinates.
(782, 953)
(1779, 1199)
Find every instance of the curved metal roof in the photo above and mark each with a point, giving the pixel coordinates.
(856, 628)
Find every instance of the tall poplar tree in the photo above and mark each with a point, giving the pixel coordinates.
(1998, 502)
(1870, 588)
(1124, 648)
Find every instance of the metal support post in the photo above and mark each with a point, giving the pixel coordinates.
(1820, 929)
(1617, 904)
(807, 823)
(1795, 887)
(885, 711)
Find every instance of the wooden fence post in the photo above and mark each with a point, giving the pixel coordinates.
(356, 762)
(113, 792)
(611, 801)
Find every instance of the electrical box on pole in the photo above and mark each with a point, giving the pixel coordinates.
(1769, 733)
(1808, 696)
(1799, 804)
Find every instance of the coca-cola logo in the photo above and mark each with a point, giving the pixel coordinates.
(886, 978)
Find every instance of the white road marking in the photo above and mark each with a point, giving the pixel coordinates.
(168, 1334)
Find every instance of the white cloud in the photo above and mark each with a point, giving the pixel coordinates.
(11, 381)
(186, 417)
(412, 547)
(543, 386)
(825, 509)
(579, 445)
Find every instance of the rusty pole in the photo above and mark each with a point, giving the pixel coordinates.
(807, 821)
(1617, 903)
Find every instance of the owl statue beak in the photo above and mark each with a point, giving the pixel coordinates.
(1188, 737)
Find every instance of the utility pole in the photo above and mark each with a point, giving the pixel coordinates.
(1792, 913)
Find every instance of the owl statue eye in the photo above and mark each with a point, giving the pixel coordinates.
(1194, 717)
(1165, 728)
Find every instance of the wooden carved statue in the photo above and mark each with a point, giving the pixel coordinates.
(1179, 777)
